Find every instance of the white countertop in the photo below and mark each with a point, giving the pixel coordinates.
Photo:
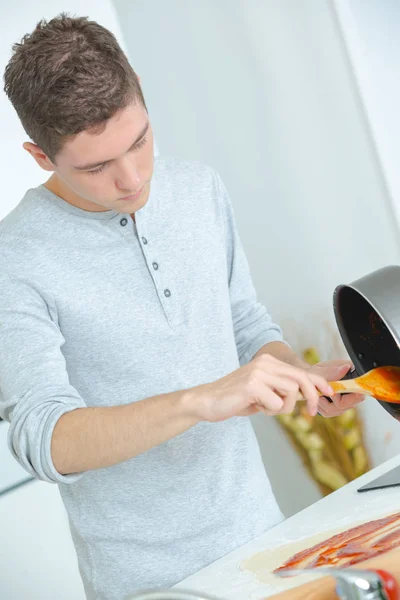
(225, 579)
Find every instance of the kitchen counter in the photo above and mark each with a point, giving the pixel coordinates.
(226, 580)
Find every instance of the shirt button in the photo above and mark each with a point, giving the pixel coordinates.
(144, 240)
(123, 222)
(155, 266)
(167, 293)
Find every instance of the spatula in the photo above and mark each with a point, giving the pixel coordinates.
(382, 383)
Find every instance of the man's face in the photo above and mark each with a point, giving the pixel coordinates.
(109, 170)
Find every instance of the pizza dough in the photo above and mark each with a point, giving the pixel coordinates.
(262, 564)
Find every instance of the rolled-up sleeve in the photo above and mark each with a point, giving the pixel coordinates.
(253, 326)
(34, 385)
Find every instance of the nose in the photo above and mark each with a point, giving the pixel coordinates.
(127, 178)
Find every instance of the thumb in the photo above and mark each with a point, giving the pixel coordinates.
(342, 370)
(334, 372)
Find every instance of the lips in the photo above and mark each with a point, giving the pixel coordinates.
(133, 196)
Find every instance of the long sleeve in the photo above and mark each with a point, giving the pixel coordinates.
(34, 385)
(252, 324)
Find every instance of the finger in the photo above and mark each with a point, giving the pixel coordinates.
(335, 399)
(282, 384)
(327, 409)
(321, 384)
(288, 390)
(262, 392)
(322, 412)
(309, 391)
(339, 405)
(305, 381)
(325, 389)
(260, 408)
(263, 387)
(301, 376)
(309, 386)
(341, 372)
(271, 402)
(356, 398)
(266, 412)
(336, 362)
(289, 403)
(346, 401)
(252, 410)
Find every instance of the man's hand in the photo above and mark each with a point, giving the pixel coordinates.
(265, 384)
(334, 370)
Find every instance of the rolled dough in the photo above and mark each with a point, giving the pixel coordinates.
(262, 564)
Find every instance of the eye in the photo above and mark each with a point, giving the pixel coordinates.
(98, 170)
(140, 144)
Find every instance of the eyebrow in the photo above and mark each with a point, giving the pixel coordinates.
(104, 162)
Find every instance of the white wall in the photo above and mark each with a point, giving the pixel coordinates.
(263, 91)
(371, 33)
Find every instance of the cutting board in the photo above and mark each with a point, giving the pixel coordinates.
(324, 587)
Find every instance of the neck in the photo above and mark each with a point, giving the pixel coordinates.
(59, 188)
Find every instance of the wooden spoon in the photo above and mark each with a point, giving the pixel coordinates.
(382, 383)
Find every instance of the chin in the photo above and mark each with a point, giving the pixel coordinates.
(132, 206)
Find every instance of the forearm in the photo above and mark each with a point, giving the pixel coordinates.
(282, 352)
(93, 438)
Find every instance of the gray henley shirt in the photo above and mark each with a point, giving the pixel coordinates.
(96, 310)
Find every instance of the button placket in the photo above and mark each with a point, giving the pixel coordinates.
(162, 288)
(154, 263)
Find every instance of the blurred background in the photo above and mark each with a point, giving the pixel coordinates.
(296, 104)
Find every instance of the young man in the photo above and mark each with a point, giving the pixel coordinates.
(131, 341)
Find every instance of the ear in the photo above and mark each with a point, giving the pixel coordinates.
(41, 158)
